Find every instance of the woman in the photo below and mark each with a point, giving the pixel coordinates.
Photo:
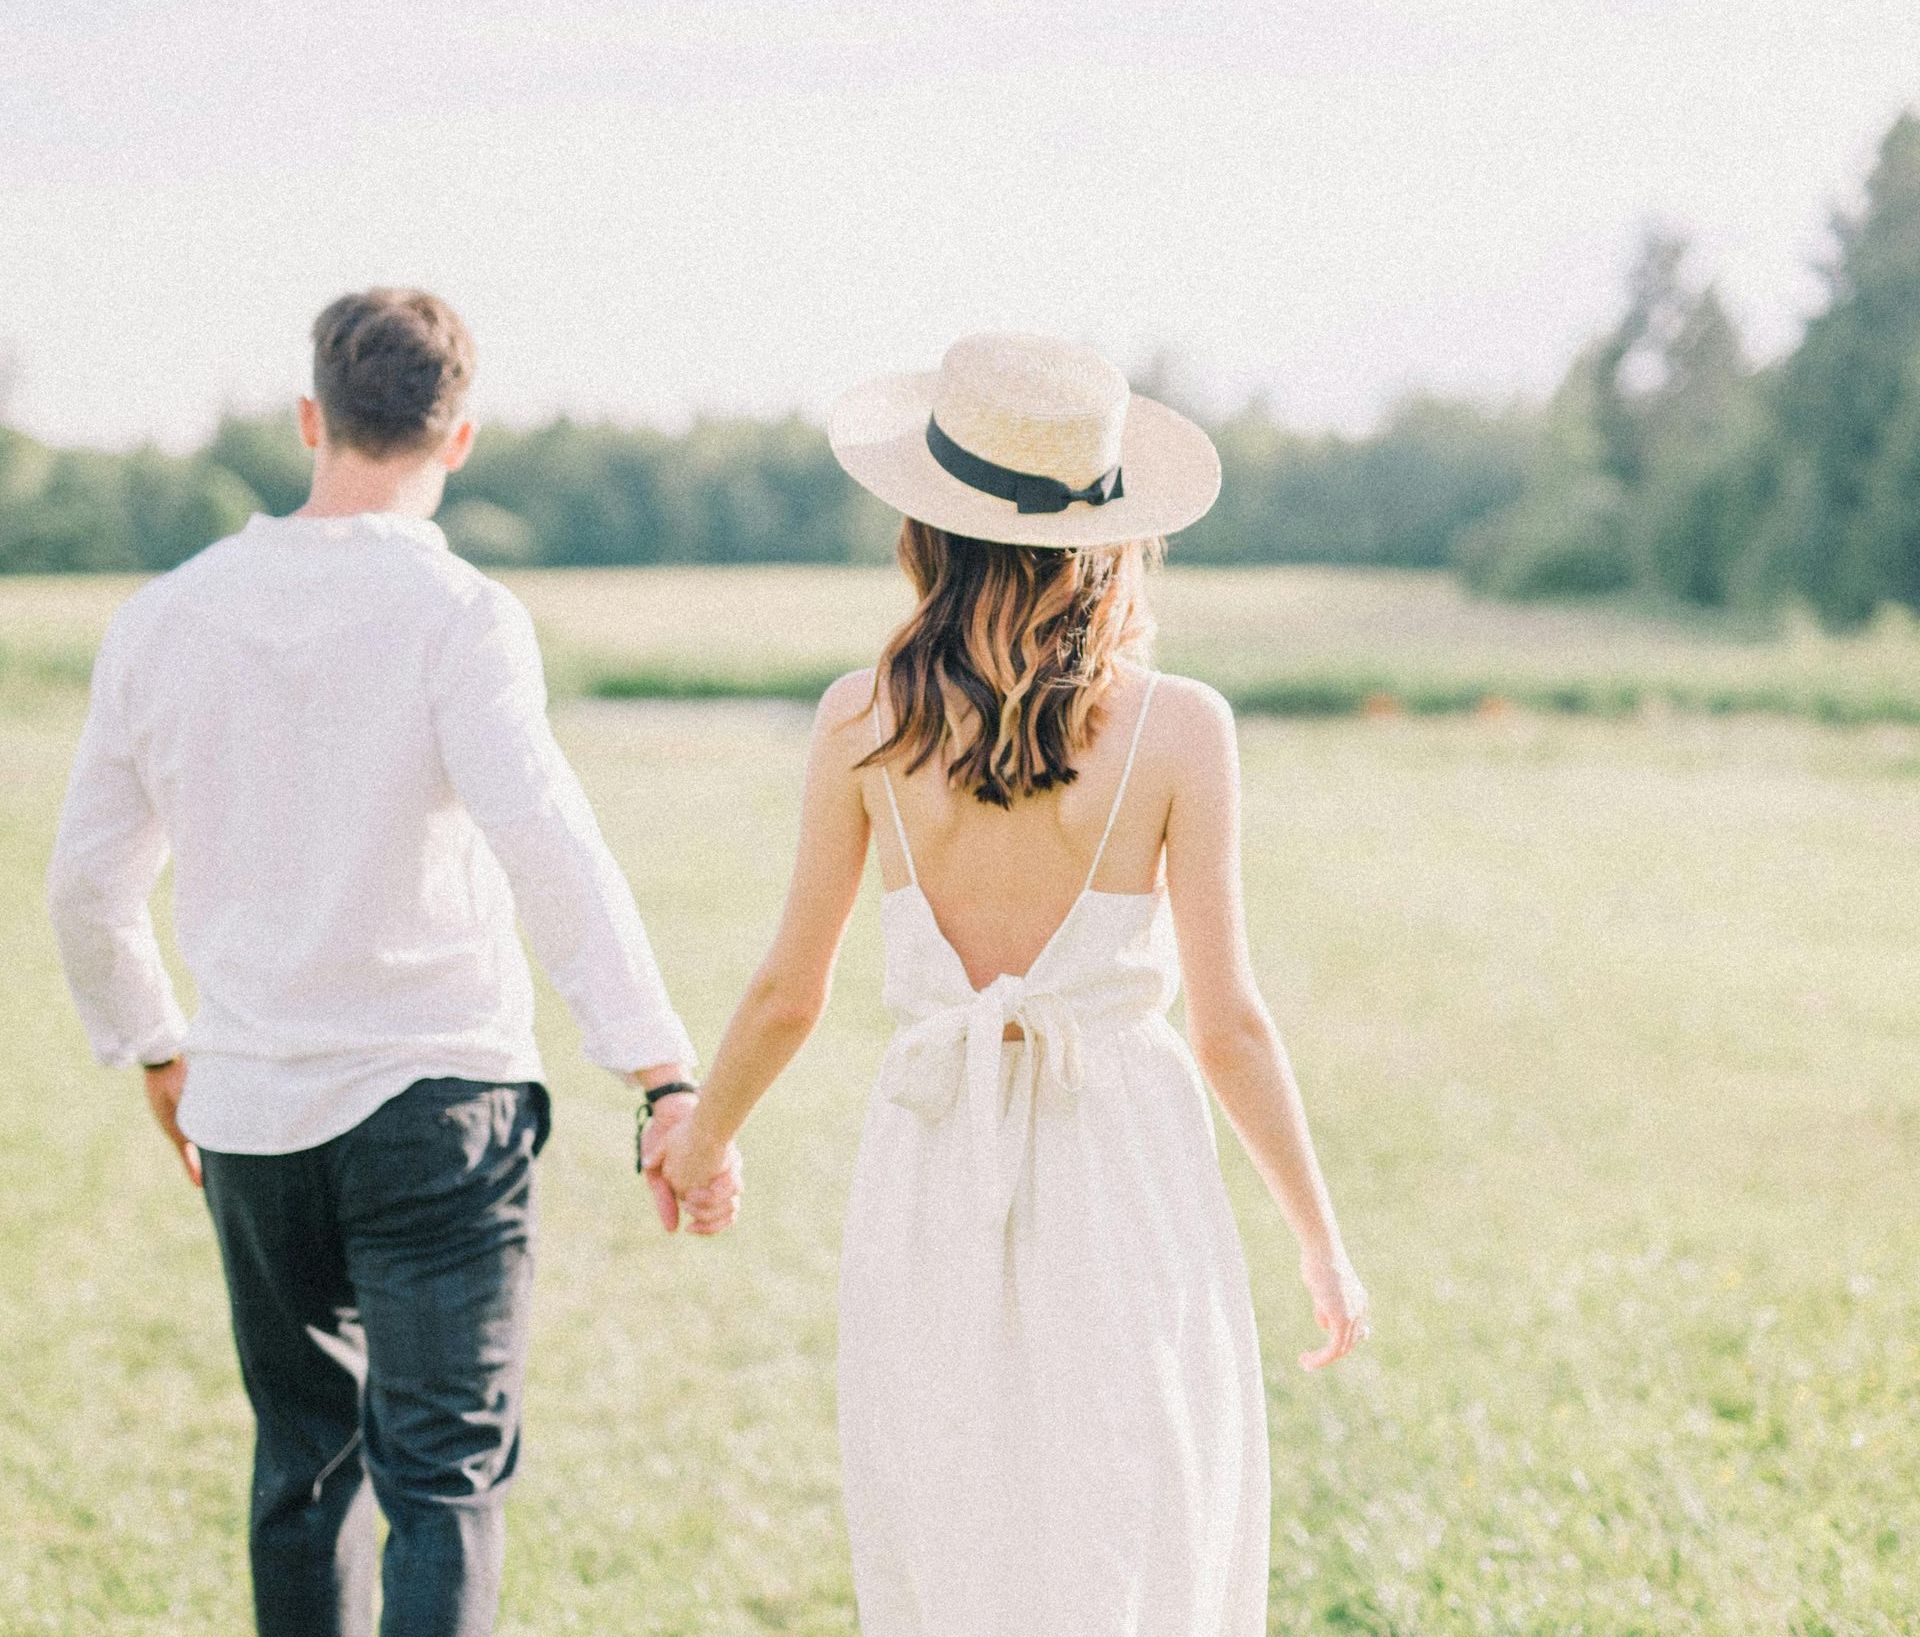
(1051, 1409)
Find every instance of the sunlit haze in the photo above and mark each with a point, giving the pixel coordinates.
(651, 211)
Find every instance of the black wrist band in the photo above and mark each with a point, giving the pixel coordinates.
(645, 1113)
(672, 1088)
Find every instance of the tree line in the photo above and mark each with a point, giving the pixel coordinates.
(1666, 465)
(743, 491)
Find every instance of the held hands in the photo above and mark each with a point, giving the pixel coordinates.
(690, 1179)
(1340, 1307)
(165, 1083)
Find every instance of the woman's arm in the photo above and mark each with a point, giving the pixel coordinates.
(789, 992)
(1233, 1035)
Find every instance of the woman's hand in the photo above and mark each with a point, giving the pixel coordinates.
(704, 1176)
(1340, 1307)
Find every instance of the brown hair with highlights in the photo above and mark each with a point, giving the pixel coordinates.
(1002, 666)
(391, 369)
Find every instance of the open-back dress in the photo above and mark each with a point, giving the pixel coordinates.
(1051, 1414)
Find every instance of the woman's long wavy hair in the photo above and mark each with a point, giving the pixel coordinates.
(1002, 668)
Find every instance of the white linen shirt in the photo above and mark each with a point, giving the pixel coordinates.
(338, 729)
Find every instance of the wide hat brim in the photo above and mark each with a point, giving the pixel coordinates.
(1169, 468)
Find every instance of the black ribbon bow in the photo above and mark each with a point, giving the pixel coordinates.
(1029, 491)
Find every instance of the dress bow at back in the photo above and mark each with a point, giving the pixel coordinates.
(1111, 963)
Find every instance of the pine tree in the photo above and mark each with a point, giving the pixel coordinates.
(1845, 397)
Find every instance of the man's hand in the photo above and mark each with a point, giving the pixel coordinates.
(164, 1086)
(704, 1180)
(667, 1113)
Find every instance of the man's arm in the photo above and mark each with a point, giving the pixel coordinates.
(107, 855)
(578, 911)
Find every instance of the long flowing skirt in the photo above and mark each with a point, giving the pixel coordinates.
(1054, 1427)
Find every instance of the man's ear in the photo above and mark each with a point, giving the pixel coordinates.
(458, 447)
(311, 423)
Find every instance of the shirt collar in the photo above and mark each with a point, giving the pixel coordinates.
(359, 526)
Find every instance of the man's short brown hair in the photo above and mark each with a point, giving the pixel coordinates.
(391, 370)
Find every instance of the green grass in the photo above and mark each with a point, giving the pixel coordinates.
(1283, 642)
(1608, 1031)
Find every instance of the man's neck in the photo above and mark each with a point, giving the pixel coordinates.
(349, 487)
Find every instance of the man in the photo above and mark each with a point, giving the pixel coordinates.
(337, 729)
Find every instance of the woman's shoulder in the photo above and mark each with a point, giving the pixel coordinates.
(1188, 733)
(1185, 705)
(848, 698)
(845, 712)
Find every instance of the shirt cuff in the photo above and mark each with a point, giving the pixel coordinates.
(161, 1045)
(624, 1051)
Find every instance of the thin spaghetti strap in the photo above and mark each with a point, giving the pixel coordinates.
(1126, 775)
(886, 778)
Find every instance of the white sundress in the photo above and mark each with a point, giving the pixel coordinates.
(1052, 1421)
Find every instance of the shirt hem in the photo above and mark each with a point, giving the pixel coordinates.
(296, 1136)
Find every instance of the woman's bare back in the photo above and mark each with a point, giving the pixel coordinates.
(1000, 881)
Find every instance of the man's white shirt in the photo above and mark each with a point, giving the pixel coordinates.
(338, 730)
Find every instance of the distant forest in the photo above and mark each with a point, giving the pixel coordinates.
(1664, 465)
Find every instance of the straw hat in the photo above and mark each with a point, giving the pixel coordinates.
(1028, 441)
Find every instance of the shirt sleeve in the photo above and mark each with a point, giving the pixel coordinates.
(574, 903)
(107, 855)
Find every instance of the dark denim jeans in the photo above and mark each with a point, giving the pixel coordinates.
(379, 1286)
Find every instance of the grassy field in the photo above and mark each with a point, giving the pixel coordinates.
(1609, 1032)
(1290, 642)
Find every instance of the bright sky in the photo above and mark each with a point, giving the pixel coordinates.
(645, 210)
